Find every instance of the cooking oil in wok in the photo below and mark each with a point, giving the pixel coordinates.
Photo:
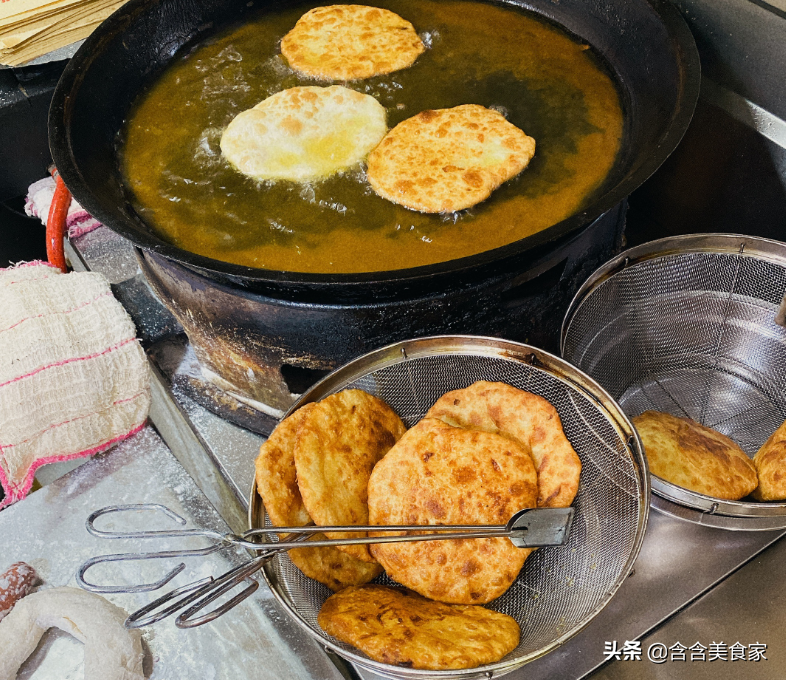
(543, 80)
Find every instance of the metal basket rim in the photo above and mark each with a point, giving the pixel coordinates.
(482, 346)
(698, 508)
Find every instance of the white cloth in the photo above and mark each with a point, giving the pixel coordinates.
(73, 377)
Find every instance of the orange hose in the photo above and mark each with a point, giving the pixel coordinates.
(56, 223)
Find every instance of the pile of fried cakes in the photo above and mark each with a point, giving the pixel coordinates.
(437, 161)
(478, 456)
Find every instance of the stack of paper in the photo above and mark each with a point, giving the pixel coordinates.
(31, 28)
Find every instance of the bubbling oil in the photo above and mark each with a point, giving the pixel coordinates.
(543, 80)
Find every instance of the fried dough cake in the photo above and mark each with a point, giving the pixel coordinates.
(304, 133)
(695, 457)
(401, 628)
(277, 485)
(770, 463)
(350, 42)
(339, 441)
(438, 474)
(448, 159)
(528, 419)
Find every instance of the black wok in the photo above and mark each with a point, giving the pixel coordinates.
(645, 43)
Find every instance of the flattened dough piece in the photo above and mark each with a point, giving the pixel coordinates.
(770, 463)
(277, 485)
(438, 474)
(350, 42)
(304, 133)
(401, 628)
(448, 159)
(695, 457)
(111, 651)
(529, 419)
(338, 444)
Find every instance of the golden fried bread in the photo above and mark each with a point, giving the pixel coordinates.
(695, 457)
(350, 42)
(527, 418)
(277, 485)
(339, 442)
(398, 627)
(449, 159)
(304, 133)
(438, 474)
(770, 463)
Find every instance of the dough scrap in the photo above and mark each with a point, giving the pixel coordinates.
(304, 133)
(111, 651)
(277, 485)
(398, 627)
(448, 159)
(529, 419)
(350, 42)
(438, 474)
(695, 457)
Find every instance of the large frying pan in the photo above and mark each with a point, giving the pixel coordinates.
(645, 42)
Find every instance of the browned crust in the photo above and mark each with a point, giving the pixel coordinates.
(695, 457)
(338, 444)
(350, 42)
(448, 159)
(770, 463)
(401, 628)
(528, 419)
(438, 474)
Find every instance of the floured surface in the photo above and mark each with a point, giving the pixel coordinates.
(47, 530)
(348, 42)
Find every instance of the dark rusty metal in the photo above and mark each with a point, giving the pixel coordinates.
(270, 349)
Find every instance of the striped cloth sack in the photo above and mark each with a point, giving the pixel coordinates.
(73, 377)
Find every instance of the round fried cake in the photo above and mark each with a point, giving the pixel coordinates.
(304, 133)
(449, 159)
(399, 627)
(695, 457)
(350, 42)
(529, 419)
(770, 463)
(277, 485)
(438, 474)
(339, 442)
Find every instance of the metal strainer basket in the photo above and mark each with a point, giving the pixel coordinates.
(686, 325)
(560, 589)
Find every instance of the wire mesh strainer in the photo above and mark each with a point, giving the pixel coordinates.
(559, 589)
(686, 325)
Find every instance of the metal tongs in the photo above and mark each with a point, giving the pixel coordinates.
(528, 528)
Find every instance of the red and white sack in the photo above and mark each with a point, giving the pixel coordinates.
(73, 378)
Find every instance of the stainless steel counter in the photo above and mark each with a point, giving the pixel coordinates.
(690, 584)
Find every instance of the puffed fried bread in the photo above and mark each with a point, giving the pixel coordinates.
(695, 457)
(399, 627)
(527, 418)
(304, 133)
(350, 42)
(448, 159)
(338, 443)
(277, 485)
(770, 463)
(438, 474)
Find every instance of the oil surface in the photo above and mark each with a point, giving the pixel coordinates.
(545, 82)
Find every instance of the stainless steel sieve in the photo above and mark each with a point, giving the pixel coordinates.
(687, 325)
(559, 590)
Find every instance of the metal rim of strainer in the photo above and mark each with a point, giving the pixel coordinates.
(669, 498)
(479, 346)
